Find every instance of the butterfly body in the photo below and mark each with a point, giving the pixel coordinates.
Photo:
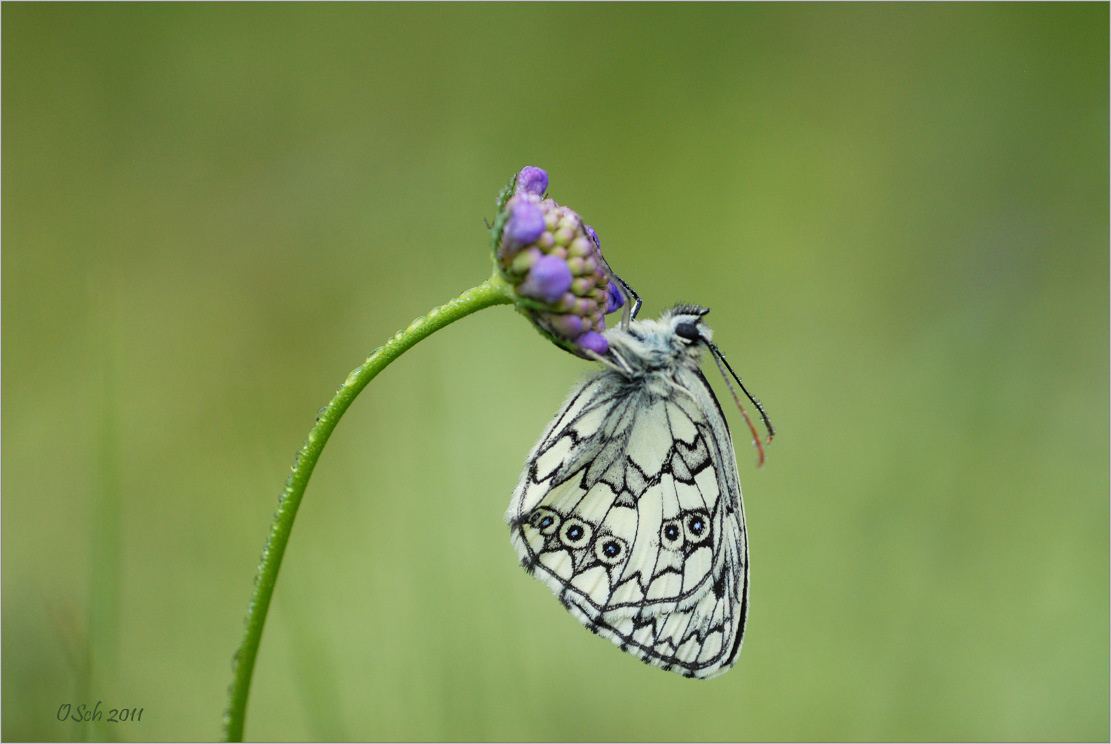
(629, 507)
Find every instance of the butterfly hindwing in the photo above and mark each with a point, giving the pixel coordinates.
(629, 510)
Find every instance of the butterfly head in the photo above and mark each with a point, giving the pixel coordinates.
(686, 322)
(689, 332)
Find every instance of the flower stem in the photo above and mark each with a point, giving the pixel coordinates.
(493, 291)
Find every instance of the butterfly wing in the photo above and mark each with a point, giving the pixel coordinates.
(629, 509)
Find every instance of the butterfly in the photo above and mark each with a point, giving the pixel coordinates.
(629, 507)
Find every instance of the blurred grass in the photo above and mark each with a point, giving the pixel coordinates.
(898, 213)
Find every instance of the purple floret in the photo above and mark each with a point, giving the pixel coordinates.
(614, 298)
(547, 280)
(532, 180)
(593, 341)
(525, 224)
(566, 326)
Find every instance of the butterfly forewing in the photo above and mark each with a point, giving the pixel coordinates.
(629, 509)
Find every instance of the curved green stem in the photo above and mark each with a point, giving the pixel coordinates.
(494, 291)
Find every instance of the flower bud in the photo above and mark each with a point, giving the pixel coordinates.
(614, 298)
(525, 223)
(546, 280)
(596, 342)
(554, 263)
(532, 180)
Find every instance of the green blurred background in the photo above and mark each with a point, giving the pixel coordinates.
(212, 213)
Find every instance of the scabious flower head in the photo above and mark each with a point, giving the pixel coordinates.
(553, 261)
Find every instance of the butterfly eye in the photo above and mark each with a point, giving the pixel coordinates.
(545, 520)
(671, 534)
(697, 527)
(610, 550)
(575, 533)
(688, 331)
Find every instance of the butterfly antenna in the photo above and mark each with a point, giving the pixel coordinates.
(723, 365)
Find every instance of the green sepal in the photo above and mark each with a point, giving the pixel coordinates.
(502, 215)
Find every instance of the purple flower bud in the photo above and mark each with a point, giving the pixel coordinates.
(614, 298)
(532, 180)
(525, 224)
(593, 341)
(566, 326)
(547, 280)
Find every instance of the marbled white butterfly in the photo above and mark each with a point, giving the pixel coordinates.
(629, 507)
